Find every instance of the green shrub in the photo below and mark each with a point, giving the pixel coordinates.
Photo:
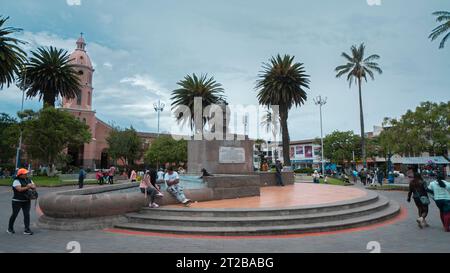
(304, 171)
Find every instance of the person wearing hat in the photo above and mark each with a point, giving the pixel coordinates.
(20, 201)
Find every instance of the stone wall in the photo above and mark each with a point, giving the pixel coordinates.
(233, 186)
(269, 179)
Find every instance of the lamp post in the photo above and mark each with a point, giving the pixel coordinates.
(159, 107)
(321, 102)
(21, 110)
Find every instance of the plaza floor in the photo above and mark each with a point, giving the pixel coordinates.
(400, 235)
(299, 194)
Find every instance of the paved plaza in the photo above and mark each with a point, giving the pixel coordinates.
(398, 235)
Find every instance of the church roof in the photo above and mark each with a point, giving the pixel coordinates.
(79, 56)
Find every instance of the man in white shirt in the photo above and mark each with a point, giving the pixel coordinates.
(160, 178)
(173, 186)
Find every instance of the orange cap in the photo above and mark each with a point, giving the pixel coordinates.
(22, 171)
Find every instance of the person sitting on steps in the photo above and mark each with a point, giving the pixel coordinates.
(174, 188)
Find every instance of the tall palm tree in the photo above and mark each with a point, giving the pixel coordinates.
(356, 69)
(49, 74)
(12, 56)
(283, 82)
(210, 91)
(444, 18)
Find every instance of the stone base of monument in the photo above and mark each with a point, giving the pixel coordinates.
(280, 220)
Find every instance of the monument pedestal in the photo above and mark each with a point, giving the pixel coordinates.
(220, 156)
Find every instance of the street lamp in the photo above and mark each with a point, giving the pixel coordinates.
(159, 107)
(21, 110)
(321, 102)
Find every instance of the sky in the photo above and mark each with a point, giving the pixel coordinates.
(140, 49)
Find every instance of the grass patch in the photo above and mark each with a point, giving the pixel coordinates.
(44, 181)
(334, 181)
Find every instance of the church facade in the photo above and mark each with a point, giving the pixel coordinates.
(92, 155)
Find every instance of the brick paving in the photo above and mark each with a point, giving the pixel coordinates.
(299, 194)
(401, 236)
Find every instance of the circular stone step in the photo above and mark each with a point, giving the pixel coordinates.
(268, 221)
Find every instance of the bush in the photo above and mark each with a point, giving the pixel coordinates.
(304, 170)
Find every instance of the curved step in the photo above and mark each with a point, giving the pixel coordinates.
(371, 197)
(266, 220)
(392, 210)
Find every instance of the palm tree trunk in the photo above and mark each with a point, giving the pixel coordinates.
(285, 135)
(49, 100)
(361, 117)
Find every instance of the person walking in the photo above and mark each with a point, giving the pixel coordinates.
(418, 190)
(278, 169)
(111, 173)
(133, 176)
(440, 190)
(81, 177)
(21, 201)
(355, 176)
(380, 177)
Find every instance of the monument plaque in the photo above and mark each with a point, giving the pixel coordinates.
(228, 155)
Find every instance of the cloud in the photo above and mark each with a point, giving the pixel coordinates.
(374, 2)
(73, 2)
(146, 82)
(108, 65)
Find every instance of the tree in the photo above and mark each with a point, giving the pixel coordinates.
(9, 131)
(12, 56)
(125, 145)
(166, 149)
(49, 74)
(340, 146)
(356, 69)
(426, 129)
(48, 132)
(442, 17)
(283, 82)
(210, 91)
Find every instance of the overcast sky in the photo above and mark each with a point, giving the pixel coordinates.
(141, 48)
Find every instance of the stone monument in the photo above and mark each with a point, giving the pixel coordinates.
(232, 154)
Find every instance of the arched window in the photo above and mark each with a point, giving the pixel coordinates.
(79, 97)
(89, 98)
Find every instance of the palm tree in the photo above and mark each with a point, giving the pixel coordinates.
(442, 16)
(12, 56)
(356, 69)
(191, 87)
(283, 82)
(49, 74)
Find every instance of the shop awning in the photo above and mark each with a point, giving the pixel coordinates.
(424, 160)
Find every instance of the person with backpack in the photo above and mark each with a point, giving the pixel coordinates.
(440, 190)
(21, 200)
(417, 189)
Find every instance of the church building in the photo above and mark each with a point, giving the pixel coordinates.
(92, 155)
